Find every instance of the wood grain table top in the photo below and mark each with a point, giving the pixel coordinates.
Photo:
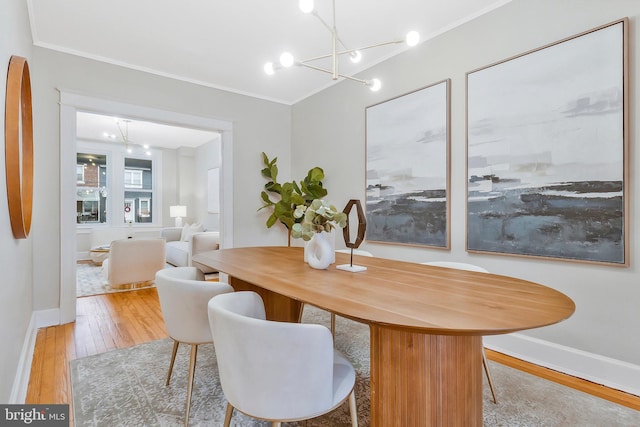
(398, 294)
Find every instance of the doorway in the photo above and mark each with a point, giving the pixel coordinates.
(70, 105)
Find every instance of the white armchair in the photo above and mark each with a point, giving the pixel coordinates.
(133, 263)
(276, 371)
(183, 297)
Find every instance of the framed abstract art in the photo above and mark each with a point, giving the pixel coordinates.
(407, 171)
(547, 144)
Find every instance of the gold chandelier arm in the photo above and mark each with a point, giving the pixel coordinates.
(313, 67)
(345, 52)
(324, 70)
(124, 135)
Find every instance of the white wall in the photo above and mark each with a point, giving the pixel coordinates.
(207, 156)
(169, 184)
(186, 181)
(258, 125)
(607, 318)
(16, 286)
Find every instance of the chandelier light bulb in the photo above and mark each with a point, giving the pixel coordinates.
(356, 56)
(268, 68)
(306, 6)
(413, 38)
(286, 60)
(375, 85)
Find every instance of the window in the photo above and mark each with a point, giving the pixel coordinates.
(138, 188)
(114, 187)
(80, 174)
(91, 188)
(145, 207)
(132, 178)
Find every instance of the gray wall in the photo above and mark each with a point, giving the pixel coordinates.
(207, 157)
(16, 260)
(258, 125)
(607, 317)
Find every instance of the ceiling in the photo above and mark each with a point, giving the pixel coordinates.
(225, 43)
(100, 128)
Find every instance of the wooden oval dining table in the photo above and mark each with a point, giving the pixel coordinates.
(426, 323)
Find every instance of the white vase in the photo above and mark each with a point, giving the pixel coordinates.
(332, 240)
(320, 250)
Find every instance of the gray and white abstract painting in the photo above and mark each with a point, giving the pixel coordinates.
(407, 168)
(546, 151)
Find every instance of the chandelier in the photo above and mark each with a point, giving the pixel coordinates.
(287, 59)
(124, 135)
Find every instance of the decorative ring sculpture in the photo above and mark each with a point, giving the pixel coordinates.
(362, 224)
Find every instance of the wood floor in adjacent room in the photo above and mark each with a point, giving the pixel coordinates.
(119, 320)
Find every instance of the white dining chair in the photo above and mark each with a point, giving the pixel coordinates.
(333, 316)
(276, 371)
(184, 294)
(469, 267)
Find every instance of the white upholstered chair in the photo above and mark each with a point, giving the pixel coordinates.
(469, 267)
(183, 297)
(133, 263)
(333, 316)
(276, 371)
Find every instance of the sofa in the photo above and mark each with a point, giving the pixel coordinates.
(184, 242)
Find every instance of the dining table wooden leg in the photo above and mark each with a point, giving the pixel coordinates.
(419, 379)
(277, 307)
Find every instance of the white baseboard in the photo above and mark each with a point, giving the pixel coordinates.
(603, 370)
(23, 372)
(39, 319)
(46, 318)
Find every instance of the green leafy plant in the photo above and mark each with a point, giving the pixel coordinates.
(288, 195)
(316, 218)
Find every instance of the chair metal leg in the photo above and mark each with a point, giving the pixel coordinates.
(333, 325)
(228, 415)
(173, 359)
(486, 371)
(353, 410)
(333, 320)
(192, 371)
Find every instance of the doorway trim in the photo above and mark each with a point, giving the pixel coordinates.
(70, 104)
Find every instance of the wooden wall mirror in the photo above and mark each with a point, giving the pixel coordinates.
(18, 136)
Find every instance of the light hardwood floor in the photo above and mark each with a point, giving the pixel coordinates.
(103, 323)
(120, 320)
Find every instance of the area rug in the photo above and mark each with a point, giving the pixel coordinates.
(127, 388)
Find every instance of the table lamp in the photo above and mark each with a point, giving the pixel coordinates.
(178, 212)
